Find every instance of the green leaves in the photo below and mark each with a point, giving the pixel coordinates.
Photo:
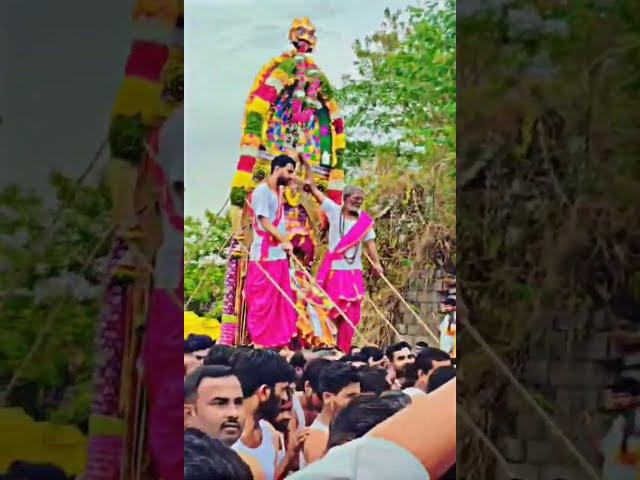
(205, 253)
(43, 275)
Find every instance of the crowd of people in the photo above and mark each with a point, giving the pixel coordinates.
(269, 414)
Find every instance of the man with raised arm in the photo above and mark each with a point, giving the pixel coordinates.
(340, 273)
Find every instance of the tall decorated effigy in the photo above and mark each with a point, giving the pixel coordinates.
(291, 106)
(150, 91)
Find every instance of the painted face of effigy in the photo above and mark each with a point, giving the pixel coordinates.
(303, 35)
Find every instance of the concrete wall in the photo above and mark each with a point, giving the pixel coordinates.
(570, 363)
(423, 295)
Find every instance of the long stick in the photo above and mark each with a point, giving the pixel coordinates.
(383, 317)
(531, 401)
(406, 304)
(466, 418)
(338, 309)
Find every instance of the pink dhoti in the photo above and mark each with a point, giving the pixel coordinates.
(271, 318)
(346, 290)
(164, 378)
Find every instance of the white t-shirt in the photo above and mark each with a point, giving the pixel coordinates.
(334, 214)
(612, 469)
(264, 202)
(169, 259)
(365, 459)
(414, 392)
(446, 340)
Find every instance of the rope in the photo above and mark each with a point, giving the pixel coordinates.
(383, 317)
(586, 465)
(466, 418)
(338, 309)
(406, 304)
(270, 278)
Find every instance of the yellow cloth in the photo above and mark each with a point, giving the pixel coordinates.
(193, 324)
(40, 442)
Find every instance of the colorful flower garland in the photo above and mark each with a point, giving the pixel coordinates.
(311, 96)
(147, 96)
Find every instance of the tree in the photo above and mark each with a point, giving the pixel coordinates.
(401, 118)
(205, 248)
(51, 279)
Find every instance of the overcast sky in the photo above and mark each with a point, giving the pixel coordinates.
(63, 62)
(227, 42)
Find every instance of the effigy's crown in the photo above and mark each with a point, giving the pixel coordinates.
(303, 31)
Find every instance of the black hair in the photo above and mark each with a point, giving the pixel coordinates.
(194, 342)
(426, 357)
(219, 355)
(194, 379)
(627, 385)
(356, 357)
(282, 161)
(359, 417)
(422, 344)
(373, 380)
(238, 354)
(312, 371)
(36, 471)
(410, 375)
(298, 360)
(439, 377)
(397, 397)
(337, 376)
(206, 458)
(396, 347)
(262, 367)
(372, 352)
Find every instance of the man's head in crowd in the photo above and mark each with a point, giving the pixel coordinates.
(206, 458)
(213, 402)
(283, 168)
(420, 346)
(219, 355)
(265, 378)
(298, 362)
(359, 416)
(373, 355)
(427, 361)
(400, 355)
(196, 348)
(356, 359)
(439, 376)
(625, 393)
(373, 380)
(338, 384)
(310, 381)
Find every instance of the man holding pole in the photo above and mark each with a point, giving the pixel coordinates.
(340, 273)
(271, 317)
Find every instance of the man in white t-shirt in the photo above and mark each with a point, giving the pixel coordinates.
(271, 316)
(340, 274)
